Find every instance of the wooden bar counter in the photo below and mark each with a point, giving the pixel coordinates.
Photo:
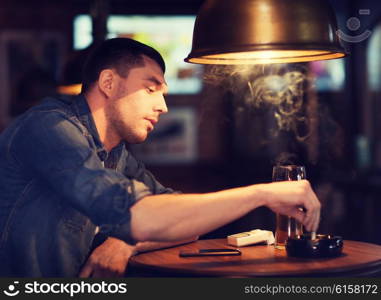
(357, 259)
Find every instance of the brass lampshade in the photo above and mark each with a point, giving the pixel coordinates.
(264, 31)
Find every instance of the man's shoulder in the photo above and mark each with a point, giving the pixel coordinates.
(59, 103)
(53, 120)
(49, 113)
(52, 108)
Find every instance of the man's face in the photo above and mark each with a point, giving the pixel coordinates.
(137, 102)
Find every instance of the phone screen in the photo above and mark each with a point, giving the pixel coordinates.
(209, 252)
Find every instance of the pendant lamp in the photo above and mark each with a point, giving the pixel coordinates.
(264, 31)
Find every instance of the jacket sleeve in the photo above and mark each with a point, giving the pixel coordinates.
(55, 149)
(144, 181)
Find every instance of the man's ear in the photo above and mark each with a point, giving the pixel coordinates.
(106, 82)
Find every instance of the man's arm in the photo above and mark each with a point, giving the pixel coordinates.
(53, 148)
(180, 216)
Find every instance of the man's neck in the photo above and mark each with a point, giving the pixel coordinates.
(107, 136)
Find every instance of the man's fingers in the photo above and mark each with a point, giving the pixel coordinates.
(86, 271)
(316, 216)
(106, 273)
(95, 270)
(317, 221)
(297, 199)
(309, 219)
(299, 215)
(312, 218)
(98, 273)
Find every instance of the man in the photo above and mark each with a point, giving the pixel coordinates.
(65, 175)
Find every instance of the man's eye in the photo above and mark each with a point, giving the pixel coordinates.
(150, 90)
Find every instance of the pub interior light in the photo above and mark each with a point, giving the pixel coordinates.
(264, 31)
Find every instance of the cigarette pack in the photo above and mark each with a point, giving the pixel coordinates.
(251, 237)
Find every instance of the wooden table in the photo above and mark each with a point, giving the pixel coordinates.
(358, 259)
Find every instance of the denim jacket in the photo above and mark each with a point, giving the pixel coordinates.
(57, 183)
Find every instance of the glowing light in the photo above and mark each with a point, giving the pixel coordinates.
(266, 57)
(73, 89)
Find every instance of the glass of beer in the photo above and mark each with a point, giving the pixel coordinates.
(286, 226)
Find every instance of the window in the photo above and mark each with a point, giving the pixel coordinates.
(374, 60)
(170, 35)
(330, 74)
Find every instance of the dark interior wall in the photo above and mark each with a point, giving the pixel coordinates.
(361, 114)
(358, 189)
(58, 15)
(156, 7)
(40, 15)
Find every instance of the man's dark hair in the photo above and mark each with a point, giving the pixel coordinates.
(121, 54)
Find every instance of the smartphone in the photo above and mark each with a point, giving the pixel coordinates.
(209, 252)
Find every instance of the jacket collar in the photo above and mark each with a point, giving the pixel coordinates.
(82, 110)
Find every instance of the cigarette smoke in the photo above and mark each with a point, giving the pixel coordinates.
(284, 92)
(278, 87)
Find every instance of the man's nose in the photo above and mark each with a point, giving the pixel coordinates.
(161, 106)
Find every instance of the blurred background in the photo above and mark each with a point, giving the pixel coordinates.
(216, 135)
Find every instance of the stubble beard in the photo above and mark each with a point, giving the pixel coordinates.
(117, 127)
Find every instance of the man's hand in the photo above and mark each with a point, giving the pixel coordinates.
(110, 259)
(295, 199)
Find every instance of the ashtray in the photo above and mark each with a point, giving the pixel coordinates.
(324, 245)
